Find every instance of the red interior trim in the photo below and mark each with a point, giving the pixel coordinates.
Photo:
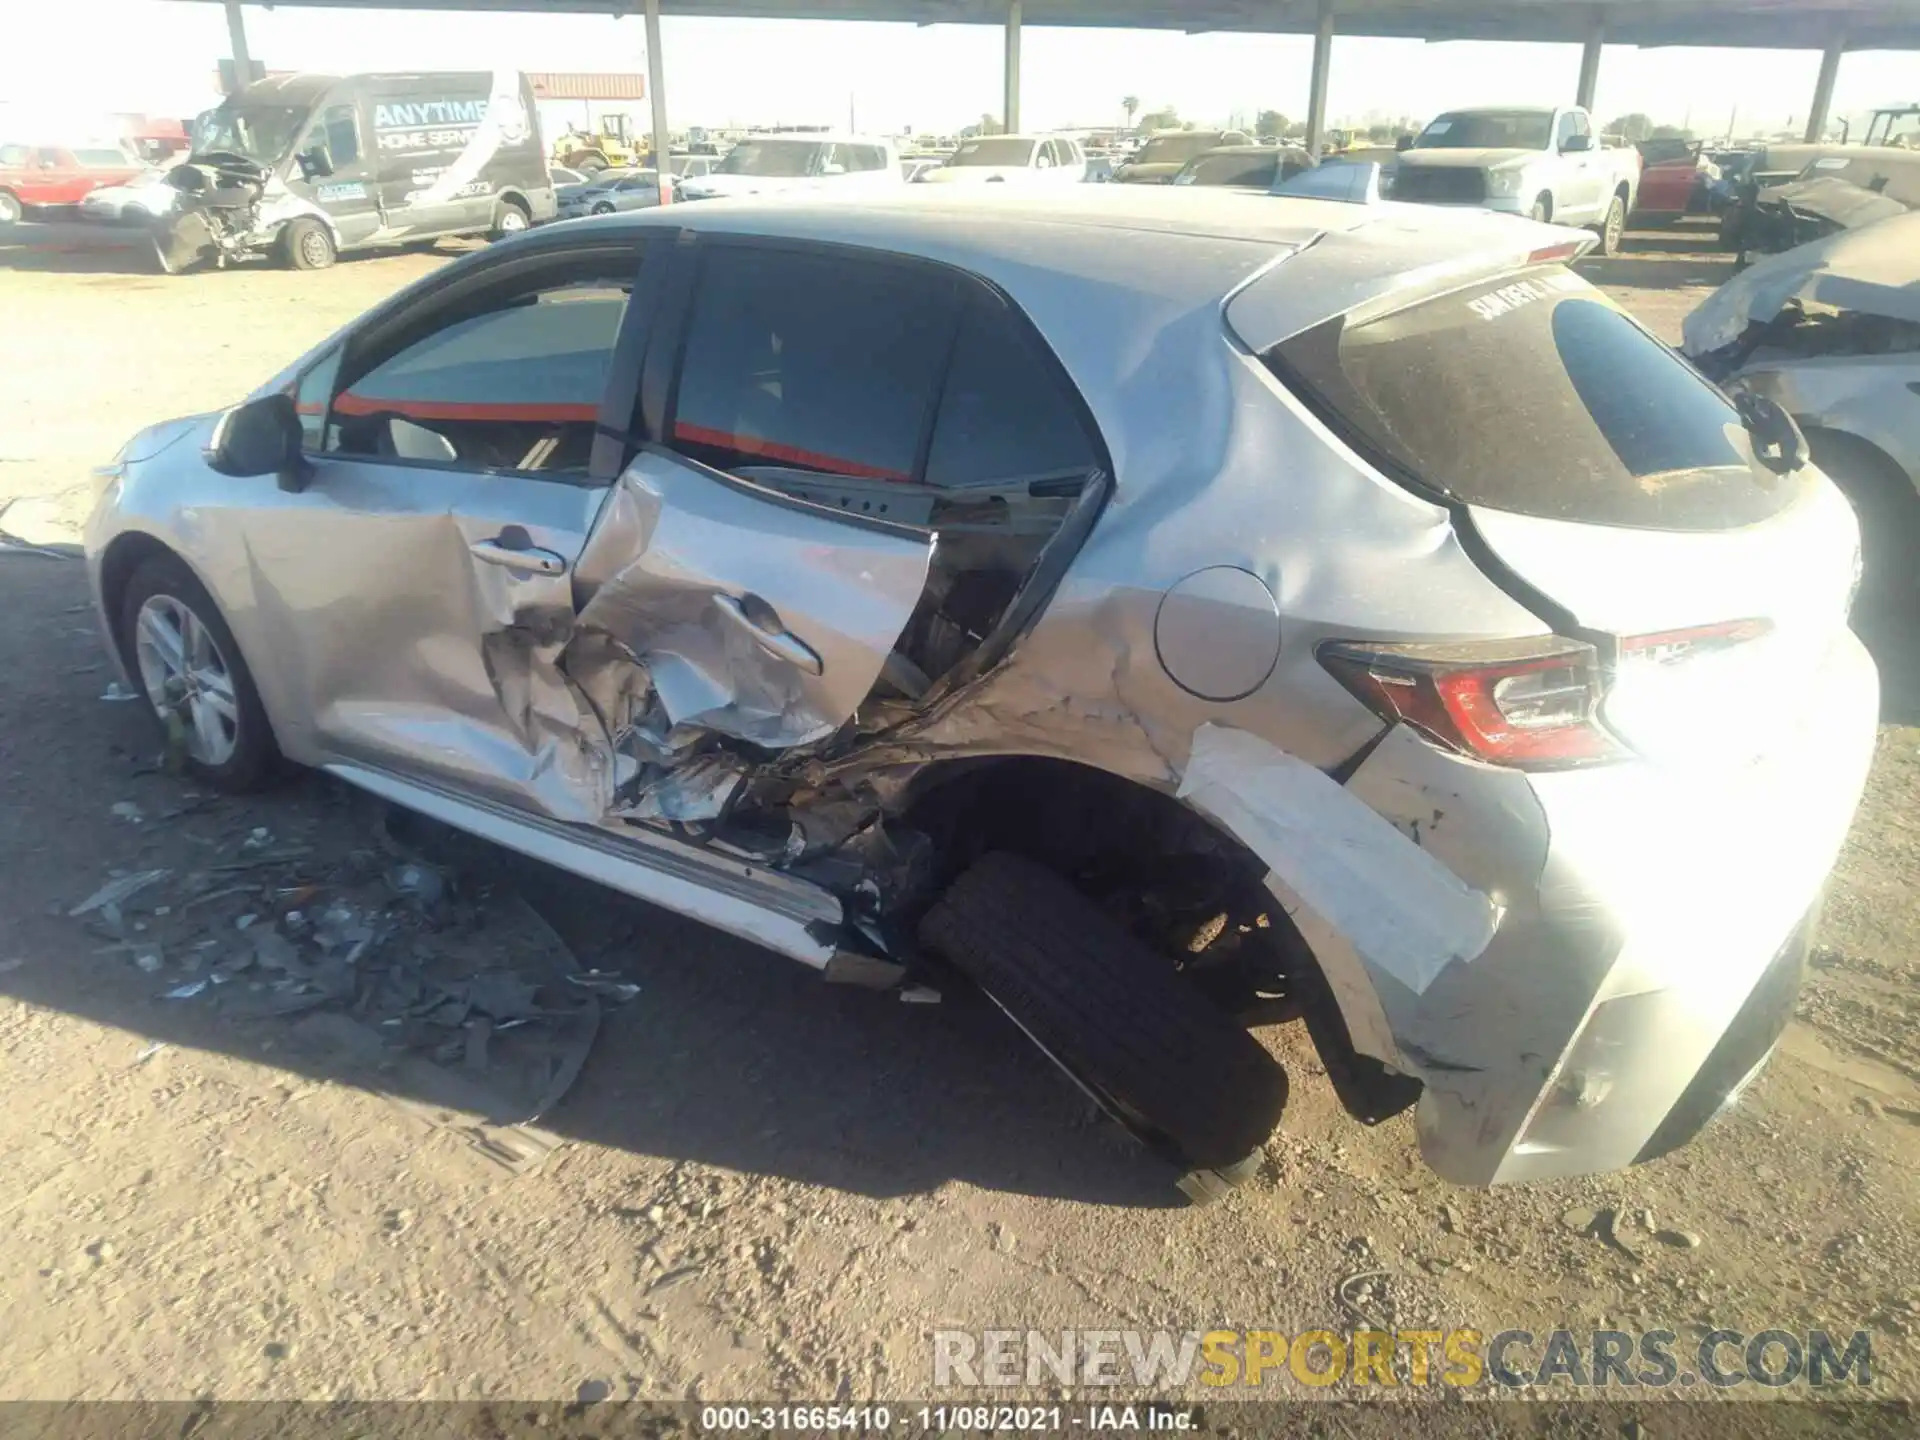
(773, 450)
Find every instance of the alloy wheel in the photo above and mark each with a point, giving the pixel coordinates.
(186, 675)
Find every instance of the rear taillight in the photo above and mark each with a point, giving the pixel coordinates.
(1529, 704)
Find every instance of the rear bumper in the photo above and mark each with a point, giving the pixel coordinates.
(1654, 931)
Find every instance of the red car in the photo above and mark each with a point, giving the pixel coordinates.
(1670, 181)
(33, 175)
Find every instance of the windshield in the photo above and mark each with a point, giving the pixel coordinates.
(1535, 393)
(994, 150)
(1899, 128)
(1487, 130)
(262, 133)
(1168, 149)
(784, 158)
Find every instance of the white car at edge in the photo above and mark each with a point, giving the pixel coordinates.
(804, 160)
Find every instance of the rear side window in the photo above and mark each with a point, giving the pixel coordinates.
(812, 361)
(1006, 413)
(1534, 393)
(14, 156)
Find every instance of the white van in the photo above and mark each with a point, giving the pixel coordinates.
(809, 160)
(1021, 159)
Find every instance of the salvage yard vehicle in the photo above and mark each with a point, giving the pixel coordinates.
(1245, 167)
(1166, 153)
(311, 166)
(1830, 331)
(1846, 189)
(1536, 161)
(847, 166)
(1126, 598)
(1015, 159)
(44, 176)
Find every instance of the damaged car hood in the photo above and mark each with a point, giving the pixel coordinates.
(1875, 268)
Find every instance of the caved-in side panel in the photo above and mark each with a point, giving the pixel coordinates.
(750, 615)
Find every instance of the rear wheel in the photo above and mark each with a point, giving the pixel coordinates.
(1542, 208)
(183, 656)
(308, 244)
(1142, 1040)
(1613, 227)
(10, 208)
(509, 219)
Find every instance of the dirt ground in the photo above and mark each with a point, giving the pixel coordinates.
(759, 1185)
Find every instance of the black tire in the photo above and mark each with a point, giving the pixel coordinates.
(256, 758)
(11, 210)
(510, 218)
(603, 208)
(307, 244)
(1888, 508)
(1613, 226)
(1542, 208)
(1114, 1014)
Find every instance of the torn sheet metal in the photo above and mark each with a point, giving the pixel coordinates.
(700, 788)
(1404, 911)
(1875, 269)
(785, 662)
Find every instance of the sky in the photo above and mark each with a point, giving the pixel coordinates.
(159, 56)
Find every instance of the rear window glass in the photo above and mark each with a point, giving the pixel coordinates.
(1535, 393)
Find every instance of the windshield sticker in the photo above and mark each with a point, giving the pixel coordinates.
(1831, 162)
(1508, 298)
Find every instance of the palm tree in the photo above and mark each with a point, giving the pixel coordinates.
(1130, 103)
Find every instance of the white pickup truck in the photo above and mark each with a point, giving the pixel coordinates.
(1537, 161)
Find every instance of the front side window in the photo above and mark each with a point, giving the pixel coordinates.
(1535, 393)
(341, 136)
(260, 133)
(14, 156)
(513, 382)
(811, 362)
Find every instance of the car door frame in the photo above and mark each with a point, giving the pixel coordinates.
(288, 689)
(664, 359)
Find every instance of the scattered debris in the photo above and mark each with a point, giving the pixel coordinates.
(128, 811)
(186, 991)
(1679, 1239)
(1579, 1219)
(150, 962)
(1449, 1219)
(421, 884)
(1359, 1292)
(118, 694)
(118, 892)
(7, 967)
(148, 1051)
(605, 982)
(919, 995)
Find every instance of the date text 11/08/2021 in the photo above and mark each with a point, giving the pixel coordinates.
(943, 1419)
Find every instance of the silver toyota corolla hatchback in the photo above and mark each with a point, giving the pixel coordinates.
(1177, 612)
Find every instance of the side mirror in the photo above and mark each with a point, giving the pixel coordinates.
(261, 437)
(316, 161)
(1405, 142)
(1575, 144)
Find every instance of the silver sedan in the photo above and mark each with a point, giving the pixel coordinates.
(610, 191)
(1176, 612)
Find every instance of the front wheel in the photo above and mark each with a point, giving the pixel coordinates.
(11, 210)
(185, 659)
(1135, 1034)
(309, 244)
(603, 208)
(1612, 228)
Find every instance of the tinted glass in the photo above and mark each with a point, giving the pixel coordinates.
(994, 150)
(517, 387)
(1491, 129)
(867, 157)
(342, 138)
(311, 395)
(1535, 393)
(811, 361)
(1165, 149)
(775, 158)
(1006, 413)
(1234, 169)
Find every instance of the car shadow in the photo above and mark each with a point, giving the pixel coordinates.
(85, 247)
(1658, 268)
(728, 1055)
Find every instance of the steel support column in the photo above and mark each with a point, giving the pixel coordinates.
(237, 37)
(1590, 67)
(1317, 80)
(1010, 81)
(657, 93)
(1823, 87)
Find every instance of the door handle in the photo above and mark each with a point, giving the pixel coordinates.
(522, 559)
(761, 624)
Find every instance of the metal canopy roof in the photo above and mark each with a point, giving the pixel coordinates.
(1772, 24)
